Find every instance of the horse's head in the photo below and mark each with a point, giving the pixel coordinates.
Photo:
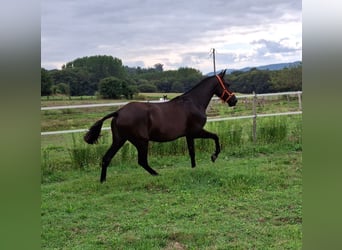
(223, 91)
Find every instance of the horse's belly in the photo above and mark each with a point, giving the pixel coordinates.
(166, 133)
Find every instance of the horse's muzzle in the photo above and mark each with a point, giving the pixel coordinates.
(232, 101)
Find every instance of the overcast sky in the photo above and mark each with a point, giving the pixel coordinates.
(175, 33)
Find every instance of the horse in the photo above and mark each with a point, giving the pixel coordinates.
(184, 115)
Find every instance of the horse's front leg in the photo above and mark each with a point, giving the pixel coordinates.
(205, 134)
(217, 148)
(191, 147)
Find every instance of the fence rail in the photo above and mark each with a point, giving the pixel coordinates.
(271, 94)
(253, 116)
(90, 105)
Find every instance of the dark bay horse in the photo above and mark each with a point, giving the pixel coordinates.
(185, 115)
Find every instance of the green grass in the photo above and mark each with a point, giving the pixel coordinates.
(250, 198)
(236, 203)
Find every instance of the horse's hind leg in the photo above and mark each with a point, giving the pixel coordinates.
(108, 157)
(142, 147)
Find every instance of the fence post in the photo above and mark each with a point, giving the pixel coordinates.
(300, 100)
(254, 116)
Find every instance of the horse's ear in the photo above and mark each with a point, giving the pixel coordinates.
(223, 72)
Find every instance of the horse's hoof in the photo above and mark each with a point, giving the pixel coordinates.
(213, 158)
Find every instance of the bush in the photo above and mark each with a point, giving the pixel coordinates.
(114, 88)
(147, 88)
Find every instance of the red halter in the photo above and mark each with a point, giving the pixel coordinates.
(225, 90)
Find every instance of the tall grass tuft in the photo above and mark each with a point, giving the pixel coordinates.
(83, 155)
(46, 164)
(235, 136)
(272, 130)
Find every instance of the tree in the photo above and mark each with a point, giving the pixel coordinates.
(114, 88)
(147, 88)
(189, 77)
(177, 87)
(78, 80)
(287, 79)
(99, 67)
(253, 80)
(62, 88)
(45, 82)
(164, 85)
(158, 67)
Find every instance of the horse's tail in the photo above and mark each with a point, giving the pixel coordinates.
(93, 134)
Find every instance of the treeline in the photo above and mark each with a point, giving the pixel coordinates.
(107, 77)
(266, 81)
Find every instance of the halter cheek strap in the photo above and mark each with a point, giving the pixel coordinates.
(225, 90)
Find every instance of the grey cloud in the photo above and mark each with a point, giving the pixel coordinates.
(78, 28)
(273, 47)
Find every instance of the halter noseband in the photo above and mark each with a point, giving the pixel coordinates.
(225, 90)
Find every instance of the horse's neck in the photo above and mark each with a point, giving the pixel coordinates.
(202, 94)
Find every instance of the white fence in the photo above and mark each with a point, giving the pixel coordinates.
(254, 115)
(90, 105)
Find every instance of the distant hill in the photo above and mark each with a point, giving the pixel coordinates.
(277, 66)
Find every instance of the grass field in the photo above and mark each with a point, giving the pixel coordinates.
(251, 202)
(250, 198)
